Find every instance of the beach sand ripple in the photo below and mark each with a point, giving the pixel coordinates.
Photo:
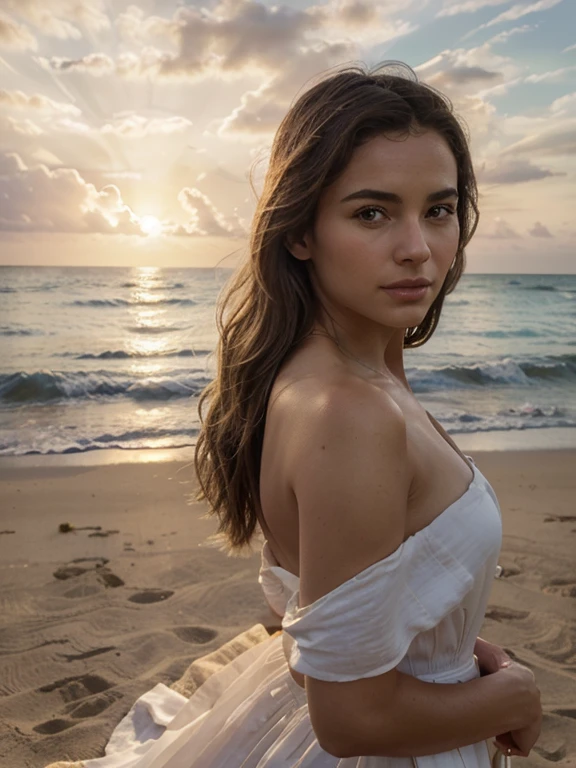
(89, 623)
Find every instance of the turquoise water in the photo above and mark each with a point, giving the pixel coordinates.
(94, 358)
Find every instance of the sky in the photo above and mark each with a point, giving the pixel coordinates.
(130, 131)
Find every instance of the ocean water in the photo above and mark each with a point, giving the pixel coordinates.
(94, 358)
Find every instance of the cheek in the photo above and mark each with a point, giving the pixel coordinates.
(446, 238)
(342, 264)
(338, 247)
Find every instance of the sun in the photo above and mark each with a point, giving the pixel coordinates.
(151, 225)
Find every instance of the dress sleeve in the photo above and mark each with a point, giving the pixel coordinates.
(364, 626)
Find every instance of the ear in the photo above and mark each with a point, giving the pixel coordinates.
(298, 248)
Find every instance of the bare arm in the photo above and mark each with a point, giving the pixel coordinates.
(423, 718)
(351, 479)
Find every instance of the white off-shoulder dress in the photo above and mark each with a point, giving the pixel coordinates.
(420, 609)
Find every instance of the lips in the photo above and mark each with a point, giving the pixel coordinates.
(416, 283)
(408, 293)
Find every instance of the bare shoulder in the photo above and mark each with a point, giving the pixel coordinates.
(351, 480)
(349, 470)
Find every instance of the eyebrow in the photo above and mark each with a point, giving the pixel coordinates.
(391, 197)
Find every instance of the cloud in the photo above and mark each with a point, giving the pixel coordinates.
(66, 125)
(231, 37)
(205, 219)
(557, 140)
(11, 163)
(239, 37)
(539, 230)
(521, 9)
(514, 13)
(130, 66)
(135, 27)
(11, 128)
(357, 13)
(513, 172)
(127, 125)
(57, 18)
(16, 36)
(261, 110)
(555, 76)
(364, 22)
(21, 100)
(470, 6)
(467, 76)
(498, 230)
(135, 126)
(96, 64)
(460, 68)
(242, 35)
(503, 37)
(564, 104)
(570, 48)
(37, 199)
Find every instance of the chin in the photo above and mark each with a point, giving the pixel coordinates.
(417, 313)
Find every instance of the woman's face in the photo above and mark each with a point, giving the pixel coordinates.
(402, 226)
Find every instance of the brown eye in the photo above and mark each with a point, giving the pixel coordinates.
(370, 209)
(439, 208)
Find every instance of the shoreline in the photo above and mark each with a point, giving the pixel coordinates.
(547, 439)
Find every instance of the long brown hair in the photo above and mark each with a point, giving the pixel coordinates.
(269, 305)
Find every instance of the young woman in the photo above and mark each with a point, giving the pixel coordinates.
(381, 537)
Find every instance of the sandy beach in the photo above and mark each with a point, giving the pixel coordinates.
(94, 617)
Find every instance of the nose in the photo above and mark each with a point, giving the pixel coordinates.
(411, 244)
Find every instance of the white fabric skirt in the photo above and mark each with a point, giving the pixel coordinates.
(249, 714)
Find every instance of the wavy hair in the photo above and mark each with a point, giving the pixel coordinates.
(270, 306)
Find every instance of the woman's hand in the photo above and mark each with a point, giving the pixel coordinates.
(491, 657)
(521, 740)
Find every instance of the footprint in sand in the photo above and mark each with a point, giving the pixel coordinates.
(77, 711)
(151, 596)
(94, 564)
(53, 726)
(75, 688)
(68, 572)
(560, 586)
(109, 579)
(510, 570)
(498, 613)
(560, 519)
(195, 634)
(95, 706)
